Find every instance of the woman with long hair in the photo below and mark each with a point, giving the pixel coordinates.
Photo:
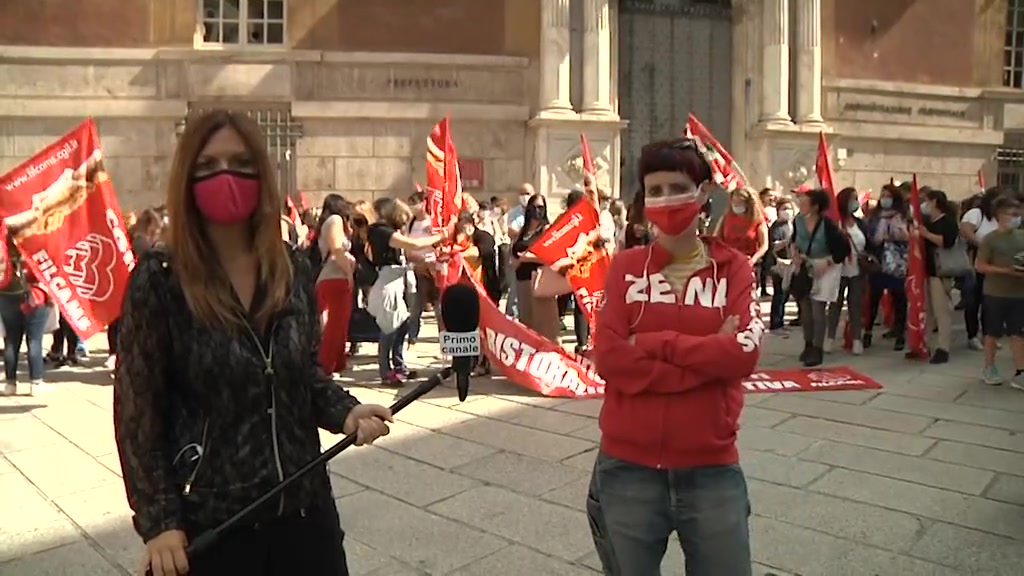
(977, 222)
(218, 394)
(669, 357)
(26, 311)
(743, 226)
(939, 231)
(538, 313)
(888, 233)
(854, 279)
(387, 300)
(819, 248)
(333, 258)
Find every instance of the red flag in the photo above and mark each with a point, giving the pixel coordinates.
(444, 187)
(588, 159)
(917, 341)
(302, 201)
(293, 212)
(6, 271)
(725, 171)
(572, 241)
(823, 168)
(981, 180)
(61, 211)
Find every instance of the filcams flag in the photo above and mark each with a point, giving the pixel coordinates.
(444, 187)
(724, 170)
(60, 209)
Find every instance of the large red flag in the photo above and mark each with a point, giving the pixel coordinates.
(60, 209)
(444, 187)
(725, 171)
(917, 341)
(823, 168)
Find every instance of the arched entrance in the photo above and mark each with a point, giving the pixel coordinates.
(675, 57)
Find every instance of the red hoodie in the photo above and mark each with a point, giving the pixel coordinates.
(673, 397)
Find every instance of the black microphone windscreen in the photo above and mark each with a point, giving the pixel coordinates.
(460, 308)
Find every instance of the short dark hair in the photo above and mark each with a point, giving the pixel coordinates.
(1004, 203)
(679, 155)
(819, 198)
(417, 197)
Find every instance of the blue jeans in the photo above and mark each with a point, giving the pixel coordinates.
(20, 326)
(391, 350)
(512, 301)
(633, 510)
(779, 299)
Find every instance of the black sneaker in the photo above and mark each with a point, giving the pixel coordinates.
(866, 340)
(900, 344)
(808, 349)
(939, 357)
(814, 358)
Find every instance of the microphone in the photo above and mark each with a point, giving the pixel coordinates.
(460, 312)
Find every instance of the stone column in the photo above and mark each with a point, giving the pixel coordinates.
(775, 66)
(554, 56)
(808, 62)
(597, 57)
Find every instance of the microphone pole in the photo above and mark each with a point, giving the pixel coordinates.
(205, 540)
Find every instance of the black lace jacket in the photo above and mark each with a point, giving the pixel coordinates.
(204, 423)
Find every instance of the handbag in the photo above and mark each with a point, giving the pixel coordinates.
(894, 259)
(952, 262)
(801, 284)
(548, 283)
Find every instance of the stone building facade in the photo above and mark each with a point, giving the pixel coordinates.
(898, 87)
(348, 90)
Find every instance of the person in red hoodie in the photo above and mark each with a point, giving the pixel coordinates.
(679, 331)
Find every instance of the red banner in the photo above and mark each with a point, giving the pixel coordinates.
(725, 171)
(809, 380)
(588, 158)
(60, 208)
(444, 188)
(917, 340)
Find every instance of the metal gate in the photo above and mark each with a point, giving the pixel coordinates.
(1010, 161)
(281, 131)
(675, 57)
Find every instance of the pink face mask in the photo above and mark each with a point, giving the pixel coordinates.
(673, 215)
(227, 197)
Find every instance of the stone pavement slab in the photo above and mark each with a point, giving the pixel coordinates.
(924, 477)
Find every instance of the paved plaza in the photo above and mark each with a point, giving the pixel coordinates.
(925, 477)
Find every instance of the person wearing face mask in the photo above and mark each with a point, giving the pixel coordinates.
(820, 248)
(854, 273)
(939, 230)
(538, 313)
(768, 199)
(743, 227)
(515, 220)
(888, 234)
(1001, 259)
(674, 357)
(978, 221)
(780, 236)
(218, 394)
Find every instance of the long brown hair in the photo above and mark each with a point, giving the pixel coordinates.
(207, 290)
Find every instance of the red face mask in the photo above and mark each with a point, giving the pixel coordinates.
(227, 197)
(673, 215)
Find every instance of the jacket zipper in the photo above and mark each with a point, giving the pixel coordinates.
(268, 371)
(201, 449)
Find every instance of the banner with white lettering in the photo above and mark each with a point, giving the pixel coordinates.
(529, 360)
(59, 207)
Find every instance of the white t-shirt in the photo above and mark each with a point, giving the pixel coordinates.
(421, 229)
(607, 226)
(983, 226)
(858, 241)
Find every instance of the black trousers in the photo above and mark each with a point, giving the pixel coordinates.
(65, 335)
(310, 543)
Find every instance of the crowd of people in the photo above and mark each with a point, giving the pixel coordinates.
(847, 269)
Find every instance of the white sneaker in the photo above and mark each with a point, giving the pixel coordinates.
(111, 362)
(10, 389)
(975, 344)
(39, 387)
(858, 348)
(828, 345)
